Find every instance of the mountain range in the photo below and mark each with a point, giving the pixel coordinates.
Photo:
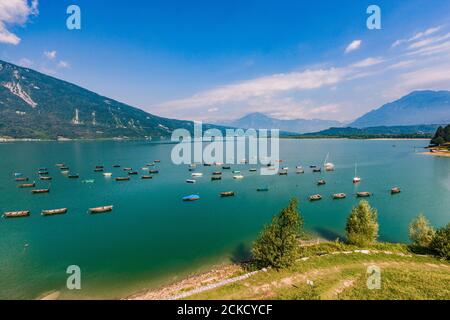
(259, 120)
(38, 106)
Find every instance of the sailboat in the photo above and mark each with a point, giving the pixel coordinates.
(356, 179)
(329, 166)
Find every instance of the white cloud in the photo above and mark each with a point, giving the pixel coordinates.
(63, 64)
(26, 63)
(50, 54)
(354, 45)
(15, 12)
(417, 36)
(368, 62)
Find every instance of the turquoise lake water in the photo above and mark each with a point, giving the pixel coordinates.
(152, 237)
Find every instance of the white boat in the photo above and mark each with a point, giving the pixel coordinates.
(285, 169)
(145, 169)
(329, 166)
(356, 179)
(190, 181)
(107, 174)
(197, 174)
(238, 177)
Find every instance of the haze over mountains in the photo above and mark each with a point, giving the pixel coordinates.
(34, 105)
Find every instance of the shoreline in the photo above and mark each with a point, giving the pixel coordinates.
(437, 154)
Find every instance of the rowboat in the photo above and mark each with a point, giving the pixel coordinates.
(27, 185)
(122, 178)
(363, 194)
(321, 182)
(315, 197)
(191, 198)
(74, 176)
(21, 179)
(339, 196)
(197, 174)
(133, 173)
(146, 177)
(107, 174)
(42, 173)
(53, 212)
(226, 167)
(154, 171)
(37, 191)
(238, 177)
(227, 194)
(45, 178)
(217, 173)
(127, 169)
(16, 214)
(263, 189)
(395, 190)
(216, 178)
(116, 166)
(191, 181)
(101, 209)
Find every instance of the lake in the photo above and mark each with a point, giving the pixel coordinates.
(152, 237)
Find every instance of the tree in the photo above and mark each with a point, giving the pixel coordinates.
(441, 242)
(362, 225)
(421, 232)
(277, 244)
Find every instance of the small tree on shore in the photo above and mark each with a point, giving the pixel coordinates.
(421, 232)
(362, 225)
(277, 244)
(441, 242)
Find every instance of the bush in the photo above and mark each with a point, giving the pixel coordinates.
(362, 225)
(441, 242)
(421, 232)
(277, 245)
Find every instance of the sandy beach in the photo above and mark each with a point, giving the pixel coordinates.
(437, 154)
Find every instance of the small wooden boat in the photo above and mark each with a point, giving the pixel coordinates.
(54, 212)
(146, 177)
(101, 209)
(27, 185)
(107, 174)
(73, 176)
(395, 190)
(191, 181)
(321, 182)
(197, 174)
(253, 170)
(127, 169)
(216, 178)
(154, 171)
(133, 173)
(339, 196)
(226, 167)
(21, 179)
(191, 198)
(263, 189)
(217, 173)
(363, 194)
(116, 166)
(38, 191)
(315, 197)
(238, 177)
(227, 194)
(16, 214)
(122, 178)
(43, 173)
(45, 178)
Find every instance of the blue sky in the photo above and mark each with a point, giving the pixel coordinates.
(218, 60)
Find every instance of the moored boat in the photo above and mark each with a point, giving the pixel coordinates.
(116, 166)
(238, 177)
(226, 167)
(107, 174)
(98, 170)
(21, 179)
(321, 182)
(197, 174)
(395, 190)
(53, 212)
(283, 173)
(263, 189)
(27, 185)
(133, 173)
(356, 179)
(317, 169)
(339, 196)
(16, 214)
(146, 177)
(363, 194)
(38, 191)
(193, 197)
(236, 171)
(216, 178)
(90, 181)
(43, 173)
(217, 173)
(122, 178)
(127, 169)
(157, 161)
(45, 178)
(101, 209)
(227, 194)
(73, 176)
(315, 197)
(253, 170)
(191, 181)
(300, 171)
(154, 171)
